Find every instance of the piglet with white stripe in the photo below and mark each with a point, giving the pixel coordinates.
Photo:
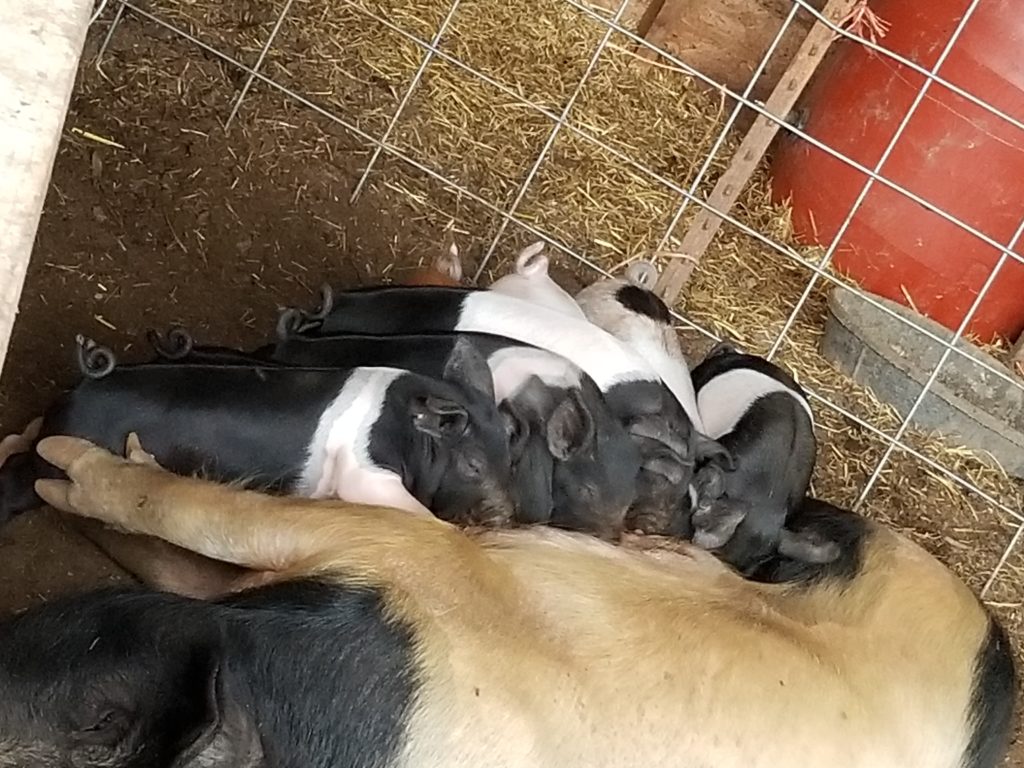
(370, 435)
(761, 415)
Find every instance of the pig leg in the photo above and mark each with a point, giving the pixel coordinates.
(450, 264)
(154, 562)
(164, 566)
(289, 536)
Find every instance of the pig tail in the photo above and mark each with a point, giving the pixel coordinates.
(94, 361)
(294, 321)
(177, 345)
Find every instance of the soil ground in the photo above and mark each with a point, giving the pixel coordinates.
(194, 225)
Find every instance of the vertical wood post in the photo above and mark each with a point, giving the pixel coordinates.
(751, 151)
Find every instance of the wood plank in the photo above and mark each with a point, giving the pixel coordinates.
(750, 152)
(38, 62)
(726, 39)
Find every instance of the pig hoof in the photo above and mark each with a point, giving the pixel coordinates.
(450, 264)
(723, 348)
(136, 454)
(642, 274)
(94, 361)
(531, 262)
(176, 347)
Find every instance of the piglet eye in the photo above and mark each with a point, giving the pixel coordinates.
(106, 720)
(108, 727)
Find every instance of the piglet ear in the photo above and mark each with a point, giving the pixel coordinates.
(665, 464)
(808, 547)
(713, 527)
(712, 451)
(570, 428)
(517, 430)
(439, 417)
(226, 737)
(722, 348)
(467, 368)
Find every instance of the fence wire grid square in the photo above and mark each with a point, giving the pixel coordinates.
(432, 44)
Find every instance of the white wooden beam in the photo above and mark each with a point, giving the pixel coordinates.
(42, 45)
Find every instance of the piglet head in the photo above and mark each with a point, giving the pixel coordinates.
(466, 462)
(662, 487)
(596, 464)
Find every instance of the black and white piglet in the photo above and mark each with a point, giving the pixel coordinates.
(670, 446)
(576, 466)
(372, 435)
(762, 416)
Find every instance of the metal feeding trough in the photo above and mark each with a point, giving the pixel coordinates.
(967, 402)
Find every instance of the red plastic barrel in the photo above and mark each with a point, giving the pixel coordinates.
(953, 153)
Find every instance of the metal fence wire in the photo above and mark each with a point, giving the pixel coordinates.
(111, 13)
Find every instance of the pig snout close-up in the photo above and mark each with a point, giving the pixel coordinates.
(758, 412)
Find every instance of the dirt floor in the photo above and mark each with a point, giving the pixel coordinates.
(188, 223)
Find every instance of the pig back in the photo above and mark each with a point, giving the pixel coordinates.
(227, 423)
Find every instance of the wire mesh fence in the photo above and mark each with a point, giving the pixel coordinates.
(558, 116)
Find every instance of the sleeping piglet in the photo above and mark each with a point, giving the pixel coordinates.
(762, 417)
(371, 435)
(531, 282)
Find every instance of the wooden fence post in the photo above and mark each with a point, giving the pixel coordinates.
(732, 182)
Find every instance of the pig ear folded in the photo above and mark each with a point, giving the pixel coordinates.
(517, 430)
(224, 734)
(665, 464)
(570, 428)
(642, 274)
(439, 417)
(468, 369)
